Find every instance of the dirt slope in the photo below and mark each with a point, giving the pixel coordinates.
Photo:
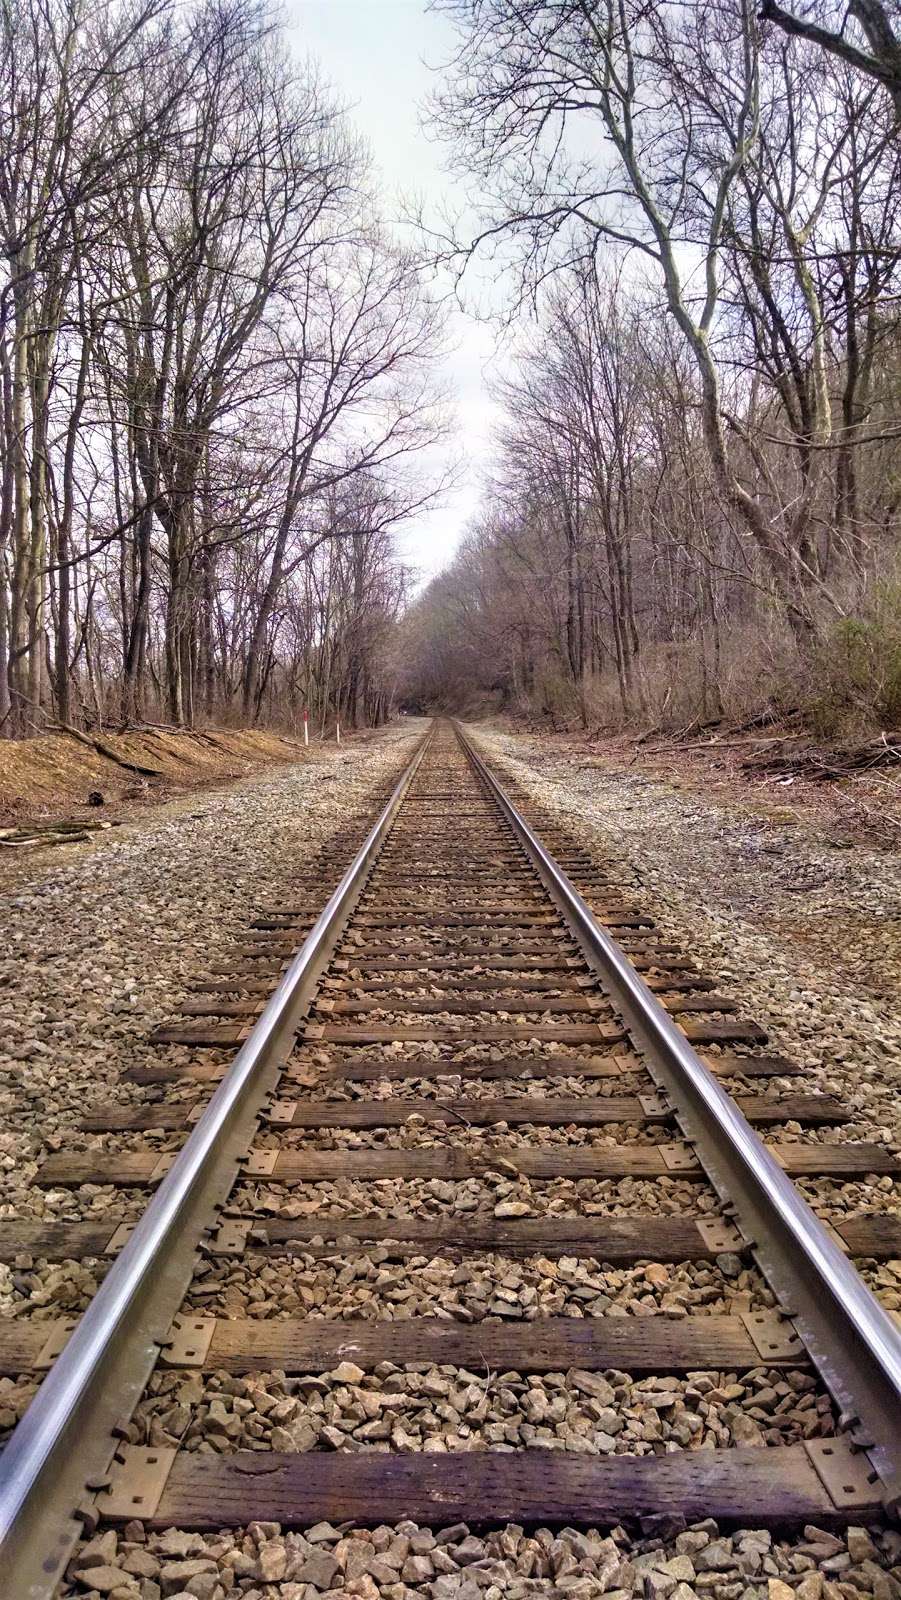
(50, 777)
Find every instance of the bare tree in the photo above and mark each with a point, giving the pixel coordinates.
(204, 331)
(356, 349)
(588, 123)
(58, 165)
(838, 30)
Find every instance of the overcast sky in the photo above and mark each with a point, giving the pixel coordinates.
(377, 54)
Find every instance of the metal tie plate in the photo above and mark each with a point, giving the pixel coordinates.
(137, 1478)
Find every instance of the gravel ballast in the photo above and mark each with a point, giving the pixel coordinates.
(403, 1560)
(444, 1409)
(803, 928)
(105, 938)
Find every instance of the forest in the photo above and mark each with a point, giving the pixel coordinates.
(694, 497)
(222, 383)
(217, 376)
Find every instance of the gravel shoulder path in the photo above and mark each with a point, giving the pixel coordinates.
(796, 923)
(102, 938)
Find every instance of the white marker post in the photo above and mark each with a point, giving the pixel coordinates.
(338, 732)
(306, 726)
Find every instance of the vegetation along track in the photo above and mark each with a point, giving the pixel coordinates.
(457, 1062)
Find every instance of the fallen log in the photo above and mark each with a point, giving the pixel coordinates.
(36, 835)
(828, 766)
(103, 749)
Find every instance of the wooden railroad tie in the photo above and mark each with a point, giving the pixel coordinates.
(525, 1110)
(638, 1345)
(822, 1481)
(126, 1169)
(617, 1240)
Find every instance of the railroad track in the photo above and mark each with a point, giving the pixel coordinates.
(460, 1059)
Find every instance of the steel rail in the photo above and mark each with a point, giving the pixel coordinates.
(66, 1440)
(852, 1340)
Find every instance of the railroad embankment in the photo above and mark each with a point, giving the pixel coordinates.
(87, 778)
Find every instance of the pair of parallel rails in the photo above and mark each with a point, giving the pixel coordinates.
(457, 952)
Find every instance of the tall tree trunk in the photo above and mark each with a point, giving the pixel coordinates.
(7, 514)
(19, 643)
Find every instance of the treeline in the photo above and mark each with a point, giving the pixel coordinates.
(694, 506)
(215, 365)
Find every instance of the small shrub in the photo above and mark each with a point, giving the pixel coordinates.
(555, 696)
(858, 670)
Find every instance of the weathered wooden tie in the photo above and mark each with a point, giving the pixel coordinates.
(525, 1110)
(137, 1168)
(783, 1487)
